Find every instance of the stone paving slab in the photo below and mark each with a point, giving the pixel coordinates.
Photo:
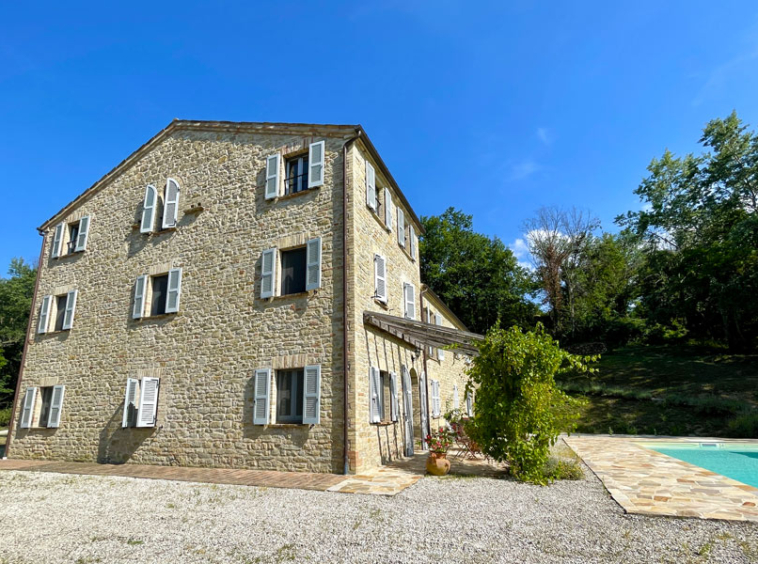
(647, 482)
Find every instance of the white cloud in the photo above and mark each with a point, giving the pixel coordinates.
(523, 169)
(544, 135)
(520, 248)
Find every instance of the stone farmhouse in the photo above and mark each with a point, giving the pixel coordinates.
(241, 295)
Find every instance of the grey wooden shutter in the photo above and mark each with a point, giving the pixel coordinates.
(148, 209)
(268, 273)
(373, 394)
(394, 406)
(261, 392)
(56, 405)
(272, 176)
(469, 405)
(456, 399)
(440, 351)
(139, 297)
(316, 157)
(148, 402)
(171, 206)
(130, 403)
(313, 264)
(44, 314)
(312, 394)
(370, 186)
(174, 292)
(57, 241)
(388, 208)
(81, 239)
(409, 295)
(412, 242)
(27, 412)
(380, 278)
(400, 226)
(68, 315)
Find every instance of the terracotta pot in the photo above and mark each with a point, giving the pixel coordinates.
(437, 464)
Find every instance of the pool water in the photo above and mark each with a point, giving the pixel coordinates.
(738, 461)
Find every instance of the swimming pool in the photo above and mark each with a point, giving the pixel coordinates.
(738, 461)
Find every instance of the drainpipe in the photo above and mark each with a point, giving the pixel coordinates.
(424, 289)
(345, 394)
(11, 426)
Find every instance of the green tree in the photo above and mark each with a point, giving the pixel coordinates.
(700, 230)
(16, 293)
(519, 410)
(478, 277)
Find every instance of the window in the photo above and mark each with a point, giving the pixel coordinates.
(160, 292)
(383, 402)
(70, 238)
(60, 309)
(151, 205)
(297, 175)
(409, 298)
(436, 401)
(293, 271)
(45, 414)
(380, 278)
(289, 396)
(141, 402)
(384, 385)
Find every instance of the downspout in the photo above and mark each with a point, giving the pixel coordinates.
(11, 426)
(424, 289)
(345, 391)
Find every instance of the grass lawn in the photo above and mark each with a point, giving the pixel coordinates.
(669, 391)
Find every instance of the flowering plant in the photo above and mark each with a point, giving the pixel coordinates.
(439, 441)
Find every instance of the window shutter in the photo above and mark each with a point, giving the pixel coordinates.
(380, 278)
(57, 240)
(388, 208)
(148, 210)
(174, 290)
(313, 264)
(374, 385)
(440, 351)
(436, 398)
(171, 207)
(268, 273)
(370, 186)
(456, 399)
(55, 406)
(81, 240)
(469, 405)
(130, 403)
(139, 297)
(28, 411)
(312, 395)
(400, 227)
(148, 402)
(68, 316)
(272, 176)
(261, 393)
(412, 242)
(410, 301)
(394, 406)
(316, 159)
(44, 314)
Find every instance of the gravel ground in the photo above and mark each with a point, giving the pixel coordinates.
(82, 519)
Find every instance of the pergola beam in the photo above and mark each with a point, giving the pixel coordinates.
(420, 334)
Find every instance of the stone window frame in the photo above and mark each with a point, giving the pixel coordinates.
(53, 310)
(69, 244)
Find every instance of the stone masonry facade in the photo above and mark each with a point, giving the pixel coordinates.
(211, 356)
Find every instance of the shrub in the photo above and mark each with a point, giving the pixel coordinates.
(5, 417)
(519, 410)
(744, 426)
(561, 469)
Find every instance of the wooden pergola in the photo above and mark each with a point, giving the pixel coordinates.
(420, 334)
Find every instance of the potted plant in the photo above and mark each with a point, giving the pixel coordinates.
(439, 442)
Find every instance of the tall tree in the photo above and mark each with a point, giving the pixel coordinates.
(700, 227)
(478, 277)
(557, 240)
(15, 304)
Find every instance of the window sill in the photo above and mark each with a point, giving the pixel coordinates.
(378, 219)
(382, 304)
(68, 255)
(296, 295)
(384, 423)
(287, 425)
(160, 316)
(293, 195)
(61, 331)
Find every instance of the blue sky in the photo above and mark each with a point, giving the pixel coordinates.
(496, 109)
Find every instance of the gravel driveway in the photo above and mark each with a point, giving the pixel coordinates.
(81, 519)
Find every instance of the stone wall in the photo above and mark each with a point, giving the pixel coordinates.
(206, 353)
